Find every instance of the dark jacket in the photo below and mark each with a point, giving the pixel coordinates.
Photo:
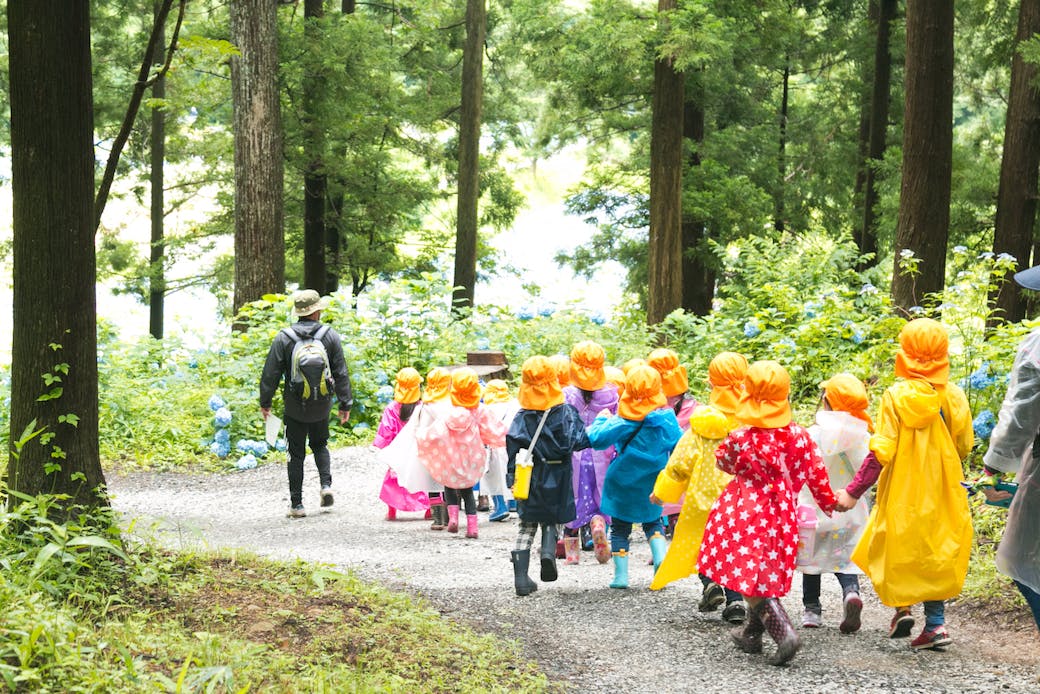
(276, 369)
(551, 499)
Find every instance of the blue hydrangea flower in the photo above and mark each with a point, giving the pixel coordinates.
(917, 310)
(223, 352)
(280, 445)
(360, 427)
(598, 318)
(525, 313)
(216, 402)
(1007, 257)
(193, 363)
(218, 449)
(980, 378)
(223, 417)
(983, 424)
(483, 343)
(223, 437)
(960, 249)
(752, 329)
(546, 311)
(385, 394)
(857, 336)
(811, 309)
(246, 462)
(786, 343)
(259, 449)
(986, 256)
(868, 289)
(381, 378)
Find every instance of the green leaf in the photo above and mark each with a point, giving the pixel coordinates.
(54, 394)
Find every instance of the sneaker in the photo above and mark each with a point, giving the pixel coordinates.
(734, 612)
(711, 598)
(932, 637)
(326, 497)
(852, 605)
(297, 511)
(811, 619)
(901, 624)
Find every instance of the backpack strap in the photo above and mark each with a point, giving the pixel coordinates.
(320, 332)
(292, 334)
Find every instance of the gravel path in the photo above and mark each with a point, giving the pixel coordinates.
(581, 632)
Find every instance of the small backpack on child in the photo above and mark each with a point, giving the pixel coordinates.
(310, 377)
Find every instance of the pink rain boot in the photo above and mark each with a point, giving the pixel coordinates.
(572, 549)
(391, 513)
(453, 518)
(599, 539)
(471, 526)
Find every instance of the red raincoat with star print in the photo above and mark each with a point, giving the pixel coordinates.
(751, 540)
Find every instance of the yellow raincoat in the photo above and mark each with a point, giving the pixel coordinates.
(918, 539)
(691, 469)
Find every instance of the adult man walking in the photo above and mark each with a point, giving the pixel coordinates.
(308, 358)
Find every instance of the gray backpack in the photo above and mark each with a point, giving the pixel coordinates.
(310, 376)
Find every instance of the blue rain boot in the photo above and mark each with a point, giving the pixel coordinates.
(500, 512)
(658, 548)
(620, 570)
(512, 505)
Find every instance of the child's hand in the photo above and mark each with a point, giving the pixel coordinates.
(846, 502)
(655, 500)
(604, 413)
(993, 494)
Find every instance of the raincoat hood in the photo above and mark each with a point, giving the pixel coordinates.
(465, 388)
(710, 422)
(726, 375)
(459, 419)
(586, 366)
(673, 376)
(438, 385)
(406, 389)
(917, 402)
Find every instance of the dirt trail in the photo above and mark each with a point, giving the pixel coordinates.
(582, 633)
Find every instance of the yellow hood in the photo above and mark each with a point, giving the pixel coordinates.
(709, 422)
(917, 402)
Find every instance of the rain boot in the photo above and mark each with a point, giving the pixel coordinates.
(521, 560)
(598, 526)
(500, 512)
(780, 629)
(453, 518)
(620, 570)
(658, 548)
(572, 548)
(471, 526)
(391, 513)
(749, 639)
(548, 553)
(440, 516)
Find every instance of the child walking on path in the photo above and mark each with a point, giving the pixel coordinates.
(590, 394)
(841, 433)
(692, 471)
(750, 543)
(557, 432)
(503, 406)
(918, 540)
(643, 433)
(395, 416)
(451, 446)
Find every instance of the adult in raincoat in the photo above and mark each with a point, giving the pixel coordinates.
(692, 471)
(917, 542)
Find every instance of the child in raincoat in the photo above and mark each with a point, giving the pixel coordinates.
(395, 416)
(841, 433)
(503, 406)
(675, 384)
(751, 540)
(550, 497)
(590, 394)
(918, 539)
(692, 471)
(643, 433)
(451, 446)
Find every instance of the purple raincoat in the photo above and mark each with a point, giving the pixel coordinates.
(590, 467)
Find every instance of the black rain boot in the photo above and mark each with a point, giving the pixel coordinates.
(780, 629)
(523, 583)
(548, 553)
(749, 639)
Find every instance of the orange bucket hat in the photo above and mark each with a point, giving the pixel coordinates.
(496, 390)
(631, 364)
(673, 376)
(562, 364)
(438, 385)
(539, 385)
(764, 402)
(406, 389)
(643, 393)
(846, 393)
(923, 352)
(586, 366)
(465, 388)
(726, 375)
(616, 376)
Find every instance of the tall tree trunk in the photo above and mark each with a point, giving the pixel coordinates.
(259, 169)
(863, 134)
(1019, 168)
(55, 320)
(666, 163)
(334, 214)
(781, 161)
(348, 6)
(157, 155)
(879, 103)
(469, 155)
(924, 196)
(698, 278)
(315, 182)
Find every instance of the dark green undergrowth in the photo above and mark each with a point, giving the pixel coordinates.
(85, 610)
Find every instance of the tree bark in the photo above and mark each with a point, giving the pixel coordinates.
(55, 321)
(1019, 168)
(879, 104)
(781, 160)
(469, 156)
(698, 278)
(315, 182)
(259, 168)
(157, 155)
(924, 196)
(664, 291)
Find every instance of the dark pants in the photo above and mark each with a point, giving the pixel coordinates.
(1032, 599)
(453, 496)
(621, 530)
(811, 589)
(297, 434)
